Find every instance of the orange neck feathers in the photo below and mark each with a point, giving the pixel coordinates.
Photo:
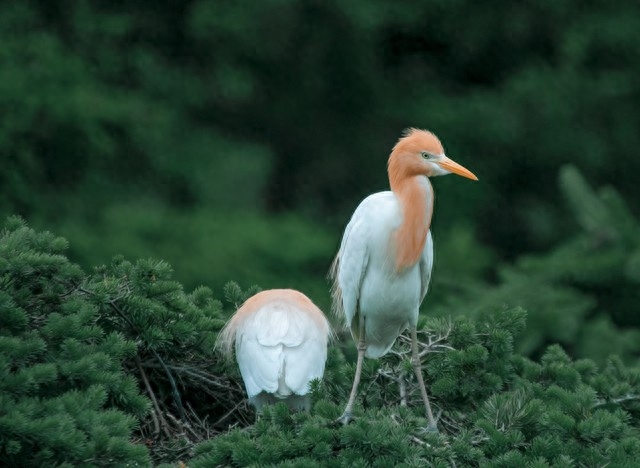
(415, 196)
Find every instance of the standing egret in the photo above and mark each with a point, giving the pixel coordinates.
(281, 345)
(382, 270)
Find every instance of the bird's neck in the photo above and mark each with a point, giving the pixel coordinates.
(415, 196)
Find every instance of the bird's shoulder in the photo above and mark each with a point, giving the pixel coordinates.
(377, 201)
(366, 235)
(378, 209)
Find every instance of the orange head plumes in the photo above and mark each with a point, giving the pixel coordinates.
(417, 153)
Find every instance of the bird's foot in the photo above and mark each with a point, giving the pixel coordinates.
(432, 428)
(345, 419)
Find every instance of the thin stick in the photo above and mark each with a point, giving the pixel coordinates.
(229, 413)
(157, 412)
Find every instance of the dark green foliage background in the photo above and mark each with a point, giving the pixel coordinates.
(234, 139)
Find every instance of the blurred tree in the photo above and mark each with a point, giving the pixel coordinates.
(209, 247)
(333, 85)
(117, 100)
(180, 129)
(583, 294)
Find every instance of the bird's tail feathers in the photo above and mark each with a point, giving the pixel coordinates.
(337, 307)
(226, 338)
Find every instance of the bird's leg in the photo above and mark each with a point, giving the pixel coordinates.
(362, 347)
(417, 368)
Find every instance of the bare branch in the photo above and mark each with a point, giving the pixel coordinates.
(157, 413)
(616, 401)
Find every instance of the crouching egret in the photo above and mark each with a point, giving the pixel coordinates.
(382, 270)
(281, 345)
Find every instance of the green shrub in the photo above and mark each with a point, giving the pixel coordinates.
(118, 367)
(65, 398)
(497, 408)
(92, 363)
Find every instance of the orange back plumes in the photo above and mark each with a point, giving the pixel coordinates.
(252, 305)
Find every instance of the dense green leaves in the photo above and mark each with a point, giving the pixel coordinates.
(64, 396)
(78, 352)
(118, 366)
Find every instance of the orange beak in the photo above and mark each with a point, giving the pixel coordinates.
(456, 168)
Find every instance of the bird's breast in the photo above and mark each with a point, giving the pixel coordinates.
(389, 304)
(387, 293)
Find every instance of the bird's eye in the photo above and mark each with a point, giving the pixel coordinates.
(425, 155)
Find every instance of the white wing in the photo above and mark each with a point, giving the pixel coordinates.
(353, 260)
(259, 366)
(426, 264)
(373, 215)
(304, 363)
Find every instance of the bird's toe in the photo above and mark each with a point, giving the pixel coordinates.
(345, 419)
(432, 428)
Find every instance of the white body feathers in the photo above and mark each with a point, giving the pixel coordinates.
(281, 345)
(366, 277)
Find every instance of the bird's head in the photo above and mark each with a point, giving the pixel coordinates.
(419, 152)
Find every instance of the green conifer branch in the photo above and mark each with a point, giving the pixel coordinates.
(174, 388)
